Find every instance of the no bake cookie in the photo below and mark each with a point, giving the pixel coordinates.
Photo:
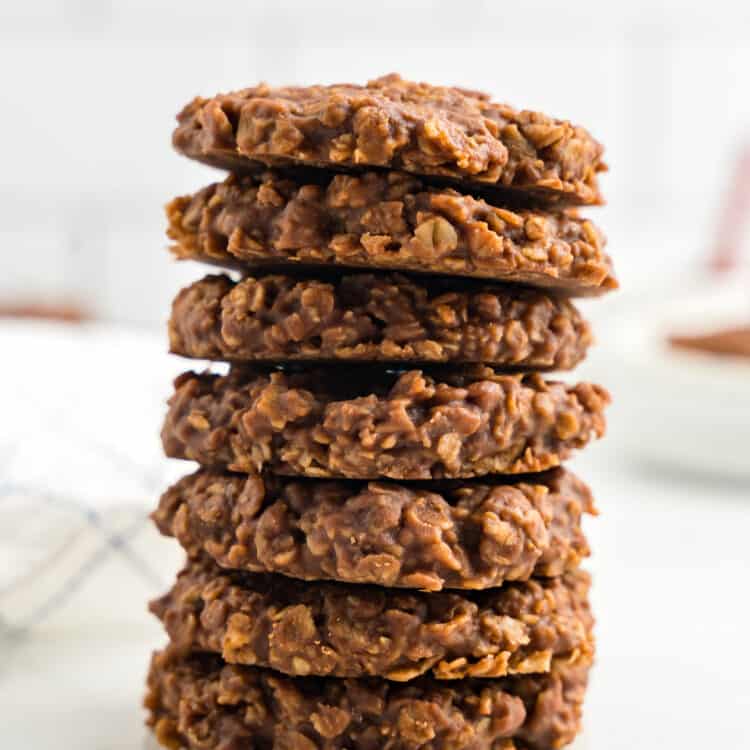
(301, 628)
(463, 534)
(397, 124)
(364, 425)
(364, 317)
(200, 703)
(386, 221)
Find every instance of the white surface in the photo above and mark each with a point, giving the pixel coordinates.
(671, 599)
(670, 564)
(687, 410)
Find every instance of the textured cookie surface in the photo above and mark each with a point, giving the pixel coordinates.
(365, 317)
(464, 535)
(390, 122)
(200, 703)
(386, 221)
(302, 628)
(363, 425)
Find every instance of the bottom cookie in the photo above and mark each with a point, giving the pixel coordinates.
(199, 702)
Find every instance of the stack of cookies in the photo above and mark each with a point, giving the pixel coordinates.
(383, 546)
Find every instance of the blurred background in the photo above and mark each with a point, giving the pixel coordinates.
(89, 93)
(92, 87)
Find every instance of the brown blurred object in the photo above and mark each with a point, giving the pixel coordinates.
(731, 342)
(725, 257)
(727, 250)
(62, 313)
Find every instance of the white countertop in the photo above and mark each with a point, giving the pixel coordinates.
(671, 563)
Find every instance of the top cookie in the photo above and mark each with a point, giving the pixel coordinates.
(415, 127)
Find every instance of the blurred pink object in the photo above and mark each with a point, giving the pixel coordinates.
(727, 250)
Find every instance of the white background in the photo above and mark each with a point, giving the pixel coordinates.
(90, 89)
(88, 94)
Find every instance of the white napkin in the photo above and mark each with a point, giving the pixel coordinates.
(80, 468)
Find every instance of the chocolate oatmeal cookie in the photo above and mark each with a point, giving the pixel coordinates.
(364, 425)
(386, 221)
(335, 629)
(198, 702)
(366, 317)
(430, 536)
(415, 127)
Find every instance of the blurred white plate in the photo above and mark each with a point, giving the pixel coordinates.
(689, 410)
